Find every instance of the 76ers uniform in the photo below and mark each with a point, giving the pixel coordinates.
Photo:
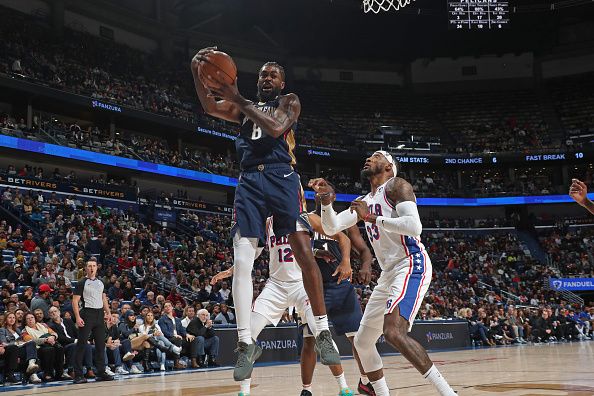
(406, 268)
(284, 288)
(268, 185)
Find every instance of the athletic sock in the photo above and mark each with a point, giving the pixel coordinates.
(364, 380)
(321, 324)
(435, 377)
(245, 335)
(341, 381)
(307, 388)
(381, 387)
(244, 386)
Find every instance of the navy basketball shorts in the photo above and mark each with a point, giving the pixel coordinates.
(343, 307)
(269, 190)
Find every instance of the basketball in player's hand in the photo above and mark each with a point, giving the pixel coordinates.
(217, 67)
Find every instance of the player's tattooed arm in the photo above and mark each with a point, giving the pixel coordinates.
(399, 190)
(223, 109)
(408, 222)
(274, 124)
(278, 123)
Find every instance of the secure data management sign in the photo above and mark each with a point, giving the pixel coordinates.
(574, 284)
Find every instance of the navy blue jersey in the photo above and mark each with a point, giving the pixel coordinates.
(255, 147)
(328, 268)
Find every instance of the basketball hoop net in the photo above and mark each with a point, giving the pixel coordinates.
(377, 6)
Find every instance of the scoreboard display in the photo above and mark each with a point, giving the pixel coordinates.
(478, 14)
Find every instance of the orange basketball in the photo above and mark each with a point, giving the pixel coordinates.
(220, 62)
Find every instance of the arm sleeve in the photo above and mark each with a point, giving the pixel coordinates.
(408, 223)
(333, 223)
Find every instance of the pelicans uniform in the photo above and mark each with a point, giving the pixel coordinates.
(342, 304)
(406, 268)
(284, 287)
(268, 185)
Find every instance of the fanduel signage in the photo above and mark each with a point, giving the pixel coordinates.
(572, 283)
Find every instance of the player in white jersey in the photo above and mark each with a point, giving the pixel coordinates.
(285, 289)
(393, 226)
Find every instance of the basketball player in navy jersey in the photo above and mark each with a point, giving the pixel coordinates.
(342, 303)
(268, 186)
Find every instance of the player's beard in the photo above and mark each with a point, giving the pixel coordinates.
(373, 170)
(367, 173)
(268, 96)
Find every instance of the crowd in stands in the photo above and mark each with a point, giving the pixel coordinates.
(143, 267)
(491, 280)
(573, 98)
(348, 114)
(123, 144)
(83, 64)
(571, 250)
(164, 309)
(158, 279)
(444, 183)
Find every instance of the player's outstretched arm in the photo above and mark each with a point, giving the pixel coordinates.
(579, 192)
(408, 222)
(332, 223)
(222, 275)
(217, 108)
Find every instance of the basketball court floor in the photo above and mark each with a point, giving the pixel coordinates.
(557, 369)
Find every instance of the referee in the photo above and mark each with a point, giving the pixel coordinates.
(89, 320)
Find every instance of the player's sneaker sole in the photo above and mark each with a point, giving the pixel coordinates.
(248, 354)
